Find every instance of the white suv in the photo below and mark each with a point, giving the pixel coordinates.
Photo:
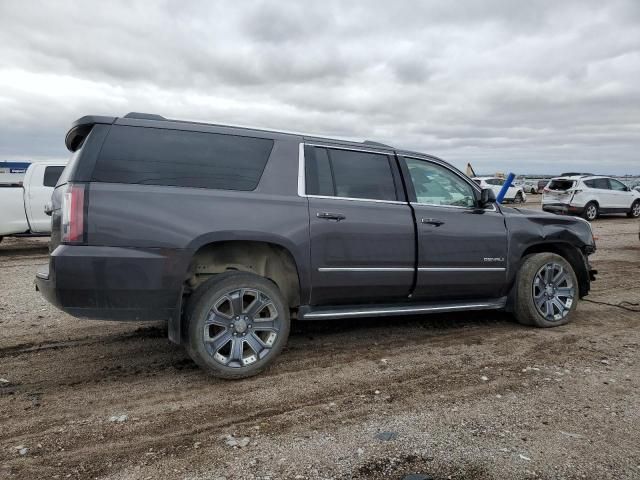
(590, 196)
(514, 194)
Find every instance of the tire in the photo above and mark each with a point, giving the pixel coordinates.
(518, 198)
(591, 211)
(635, 210)
(546, 291)
(229, 335)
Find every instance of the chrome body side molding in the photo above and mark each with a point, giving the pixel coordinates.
(307, 312)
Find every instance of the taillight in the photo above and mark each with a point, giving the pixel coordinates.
(546, 190)
(73, 214)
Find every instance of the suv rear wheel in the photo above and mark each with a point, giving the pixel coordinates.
(546, 290)
(591, 211)
(238, 324)
(635, 210)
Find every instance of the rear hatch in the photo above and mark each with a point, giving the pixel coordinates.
(559, 189)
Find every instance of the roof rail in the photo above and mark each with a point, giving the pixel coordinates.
(144, 116)
(376, 144)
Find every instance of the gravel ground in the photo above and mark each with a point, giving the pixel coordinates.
(473, 396)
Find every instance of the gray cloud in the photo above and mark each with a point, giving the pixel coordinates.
(536, 86)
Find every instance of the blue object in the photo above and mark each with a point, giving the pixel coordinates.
(505, 187)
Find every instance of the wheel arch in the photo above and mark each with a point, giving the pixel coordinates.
(268, 259)
(570, 253)
(270, 256)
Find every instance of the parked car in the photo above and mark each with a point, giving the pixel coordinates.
(227, 233)
(530, 187)
(514, 194)
(23, 206)
(590, 196)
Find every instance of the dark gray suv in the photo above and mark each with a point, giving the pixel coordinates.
(227, 233)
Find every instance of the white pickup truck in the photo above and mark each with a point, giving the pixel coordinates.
(22, 206)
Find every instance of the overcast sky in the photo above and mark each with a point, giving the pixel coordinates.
(526, 86)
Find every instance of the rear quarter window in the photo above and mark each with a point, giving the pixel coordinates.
(155, 156)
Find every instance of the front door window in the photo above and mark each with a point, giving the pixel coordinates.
(435, 185)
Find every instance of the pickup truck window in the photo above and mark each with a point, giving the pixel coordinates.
(349, 174)
(51, 176)
(157, 156)
(435, 185)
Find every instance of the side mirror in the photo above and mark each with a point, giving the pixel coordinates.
(487, 196)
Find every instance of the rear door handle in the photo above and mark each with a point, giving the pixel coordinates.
(330, 216)
(432, 221)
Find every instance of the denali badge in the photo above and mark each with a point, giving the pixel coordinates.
(493, 259)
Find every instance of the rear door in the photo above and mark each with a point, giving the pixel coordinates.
(362, 236)
(38, 191)
(462, 250)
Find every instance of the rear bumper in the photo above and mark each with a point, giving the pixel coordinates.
(562, 208)
(113, 283)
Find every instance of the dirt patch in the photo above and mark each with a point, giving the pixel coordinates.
(471, 396)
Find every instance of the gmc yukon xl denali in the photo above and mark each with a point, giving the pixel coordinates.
(228, 233)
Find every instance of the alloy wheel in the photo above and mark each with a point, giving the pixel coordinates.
(592, 212)
(241, 327)
(553, 291)
(635, 210)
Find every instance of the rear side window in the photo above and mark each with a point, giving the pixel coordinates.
(560, 184)
(51, 175)
(154, 156)
(349, 174)
(601, 183)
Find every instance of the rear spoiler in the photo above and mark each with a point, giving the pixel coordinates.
(81, 128)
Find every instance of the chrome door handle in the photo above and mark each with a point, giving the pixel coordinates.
(432, 221)
(331, 216)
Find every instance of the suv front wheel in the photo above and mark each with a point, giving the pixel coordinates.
(238, 324)
(635, 210)
(546, 290)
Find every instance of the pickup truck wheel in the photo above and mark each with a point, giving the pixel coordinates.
(591, 211)
(238, 324)
(633, 213)
(546, 290)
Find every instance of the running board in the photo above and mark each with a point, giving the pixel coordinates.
(308, 312)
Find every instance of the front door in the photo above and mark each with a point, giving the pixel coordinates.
(361, 227)
(621, 198)
(462, 250)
